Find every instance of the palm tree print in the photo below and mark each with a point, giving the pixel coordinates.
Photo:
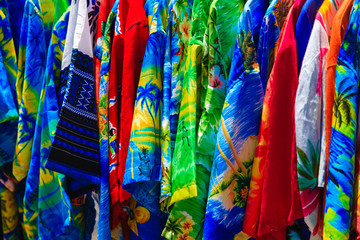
(248, 50)
(26, 126)
(241, 172)
(342, 107)
(173, 226)
(150, 96)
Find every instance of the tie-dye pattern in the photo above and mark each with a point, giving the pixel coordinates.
(340, 181)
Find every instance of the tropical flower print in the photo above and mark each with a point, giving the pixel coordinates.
(237, 137)
(184, 236)
(340, 181)
(137, 215)
(179, 228)
(185, 29)
(187, 225)
(177, 42)
(215, 82)
(142, 175)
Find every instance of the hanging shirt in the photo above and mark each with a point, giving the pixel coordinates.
(272, 24)
(9, 60)
(187, 177)
(239, 127)
(340, 24)
(117, 51)
(8, 105)
(178, 36)
(46, 202)
(31, 69)
(274, 186)
(75, 150)
(340, 182)
(309, 115)
(143, 165)
(185, 144)
(304, 26)
(127, 56)
(136, 34)
(104, 226)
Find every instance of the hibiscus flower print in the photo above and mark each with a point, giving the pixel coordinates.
(185, 29)
(184, 236)
(187, 225)
(216, 82)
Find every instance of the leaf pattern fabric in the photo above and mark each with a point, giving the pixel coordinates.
(43, 186)
(218, 45)
(9, 104)
(181, 223)
(31, 69)
(340, 24)
(237, 136)
(8, 67)
(309, 109)
(340, 182)
(179, 119)
(9, 215)
(178, 36)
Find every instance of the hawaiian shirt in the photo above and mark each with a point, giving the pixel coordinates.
(310, 115)
(340, 181)
(270, 191)
(31, 69)
(239, 127)
(143, 165)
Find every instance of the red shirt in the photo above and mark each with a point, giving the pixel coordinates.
(274, 199)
